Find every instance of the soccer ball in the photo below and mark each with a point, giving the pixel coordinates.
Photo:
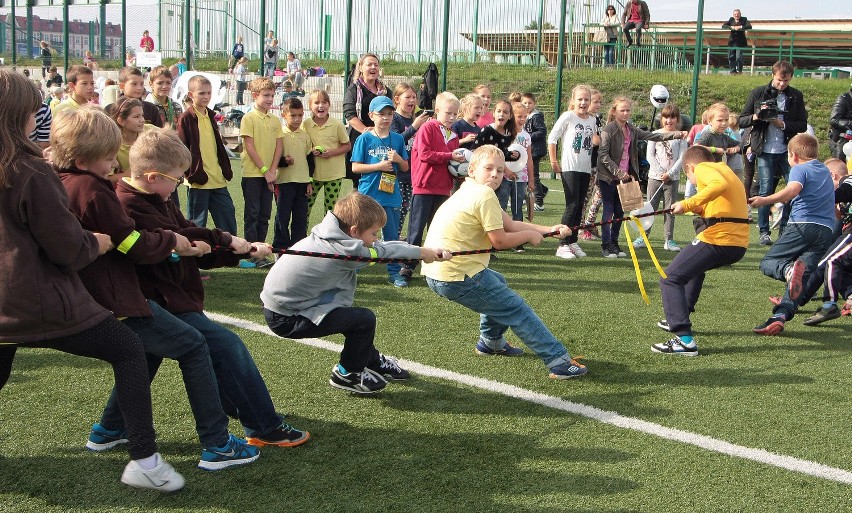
(659, 96)
(459, 169)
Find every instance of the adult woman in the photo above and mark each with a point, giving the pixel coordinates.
(610, 24)
(356, 102)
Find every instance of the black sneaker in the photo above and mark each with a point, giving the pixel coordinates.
(772, 326)
(615, 248)
(284, 435)
(389, 368)
(406, 273)
(364, 382)
(822, 315)
(676, 346)
(606, 252)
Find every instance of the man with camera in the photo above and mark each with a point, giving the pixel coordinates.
(776, 112)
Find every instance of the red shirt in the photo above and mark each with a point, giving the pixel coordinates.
(147, 43)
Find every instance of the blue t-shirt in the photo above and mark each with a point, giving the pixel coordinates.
(815, 204)
(372, 149)
(462, 128)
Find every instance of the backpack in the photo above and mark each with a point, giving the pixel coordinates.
(430, 90)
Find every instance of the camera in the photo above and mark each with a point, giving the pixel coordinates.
(769, 110)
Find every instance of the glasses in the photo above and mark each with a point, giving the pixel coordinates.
(178, 181)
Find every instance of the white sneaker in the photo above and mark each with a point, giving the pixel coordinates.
(565, 252)
(163, 477)
(639, 242)
(577, 250)
(671, 245)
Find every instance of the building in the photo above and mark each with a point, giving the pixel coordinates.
(82, 36)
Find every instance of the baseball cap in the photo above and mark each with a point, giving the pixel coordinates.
(380, 102)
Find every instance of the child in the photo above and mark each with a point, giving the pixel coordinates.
(210, 171)
(405, 122)
(53, 78)
(312, 297)
(484, 92)
(330, 145)
(435, 145)
(158, 160)
(578, 130)
(521, 185)
(501, 133)
(735, 161)
(83, 148)
(89, 61)
(378, 155)
(796, 253)
(81, 87)
(294, 72)
(714, 137)
(56, 97)
(538, 134)
(262, 146)
(127, 114)
(721, 201)
(593, 202)
(270, 58)
(289, 92)
(294, 179)
(44, 302)
(240, 71)
(160, 80)
(696, 129)
(467, 128)
(472, 219)
(131, 84)
(666, 160)
(619, 161)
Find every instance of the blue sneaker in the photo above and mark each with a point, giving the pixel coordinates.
(246, 264)
(235, 452)
(676, 346)
(398, 281)
(102, 439)
(568, 370)
(506, 350)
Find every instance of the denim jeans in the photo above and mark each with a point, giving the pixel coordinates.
(518, 193)
(390, 232)
(503, 193)
(638, 26)
(609, 51)
(501, 308)
(357, 325)
(735, 59)
(423, 208)
(165, 336)
(805, 241)
(770, 168)
(241, 387)
(220, 205)
(269, 69)
(611, 210)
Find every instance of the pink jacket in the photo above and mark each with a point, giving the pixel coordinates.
(429, 158)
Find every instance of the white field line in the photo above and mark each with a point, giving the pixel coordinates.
(607, 417)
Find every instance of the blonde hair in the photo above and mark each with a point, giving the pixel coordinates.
(319, 93)
(717, 108)
(445, 99)
(359, 210)
(576, 89)
(159, 71)
(400, 89)
(468, 103)
(159, 150)
(610, 117)
(805, 146)
(515, 97)
(85, 134)
(837, 167)
(733, 121)
(482, 153)
(198, 81)
(261, 84)
(480, 87)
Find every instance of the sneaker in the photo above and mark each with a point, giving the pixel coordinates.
(794, 278)
(822, 315)
(776, 215)
(676, 346)
(564, 251)
(765, 239)
(520, 249)
(775, 300)
(639, 242)
(102, 439)
(389, 368)
(671, 245)
(847, 308)
(585, 235)
(262, 263)
(406, 273)
(663, 324)
(568, 370)
(607, 252)
(617, 250)
(364, 382)
(577, 250)
(246, 264)
(538, 207)
(163, 477)
(772, 326)
(284, 435)
(235, 452)
(398, 281)
(506, 350)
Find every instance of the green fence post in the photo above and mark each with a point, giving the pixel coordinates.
(538, 40)
(327, 52)
(123, 54)
(446, 42)
(321, 27)
(475, 37)
(419, 28)
(14, 36)
(92, 36)
(367, 28)
(696, 65)
(187, 33)
(262, 32)
(560, 56)
(29, 30)
(347, 46)
(102, 42)
(3, 37)
(64, 34)
(234, 24)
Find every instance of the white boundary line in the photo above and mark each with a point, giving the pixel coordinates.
(607, 417)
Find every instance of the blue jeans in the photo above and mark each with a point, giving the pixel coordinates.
(805, 241)
(609, 52)
(390, 232)
(220, 205)
(770, 168)
(241, 387)
(269, 69)
(501, 308)
(165, 336)
(735, 59)
(518, 193)
(503, 193)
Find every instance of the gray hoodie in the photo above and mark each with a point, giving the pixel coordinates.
(311, 286)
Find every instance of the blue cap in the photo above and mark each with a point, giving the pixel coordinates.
(380, 102)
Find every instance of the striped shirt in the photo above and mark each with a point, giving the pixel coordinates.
(43, 121)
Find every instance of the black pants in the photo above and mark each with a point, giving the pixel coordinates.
(114, 343)
(291, 219)
(257, 199)
(539, 189)
(575, 185)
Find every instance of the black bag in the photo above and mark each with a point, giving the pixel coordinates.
(429, 91)
(270, 53)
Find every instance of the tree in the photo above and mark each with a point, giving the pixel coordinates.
(533, 25)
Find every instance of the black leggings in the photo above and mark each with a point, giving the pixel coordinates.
(114, 343)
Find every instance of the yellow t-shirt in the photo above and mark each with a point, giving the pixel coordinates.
(209, 154)
(264, 130)
(462, 223)
(721, 194)
(67, 103)
(123, 156)
(330, 136)
(297, 143)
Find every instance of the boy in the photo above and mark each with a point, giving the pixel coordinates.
(84, 144)
(378, 156)
(714, 137)
(538, 133)
(434, 146)
(131, 84)
(472, 219)
(262, 147)
(808, 235)
(721, 200)
(157, 162)
(81, 87)
(53, 79)
(293, 186)
(210, 170)
(56, 97)
(312, 297)
(160, 80)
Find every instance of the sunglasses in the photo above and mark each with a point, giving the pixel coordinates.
(178, 181)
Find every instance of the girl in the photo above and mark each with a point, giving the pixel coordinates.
(270, 58)
(130, 119)
(44, 301)
(521, 185)
(330, 143)
(240, 77)
(160, 80)
(467, 128)
(619, 161)
(46, 58)
(665, 159)
(592, 203)
(406, 123)
(501, 133)
(579, 132)
(484, 92)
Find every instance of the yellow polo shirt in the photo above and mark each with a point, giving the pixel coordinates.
(297, 143)
(721, 193)
(264, 130)
(123, 156)
(330, 136)
(209, 154)
(66, 104)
